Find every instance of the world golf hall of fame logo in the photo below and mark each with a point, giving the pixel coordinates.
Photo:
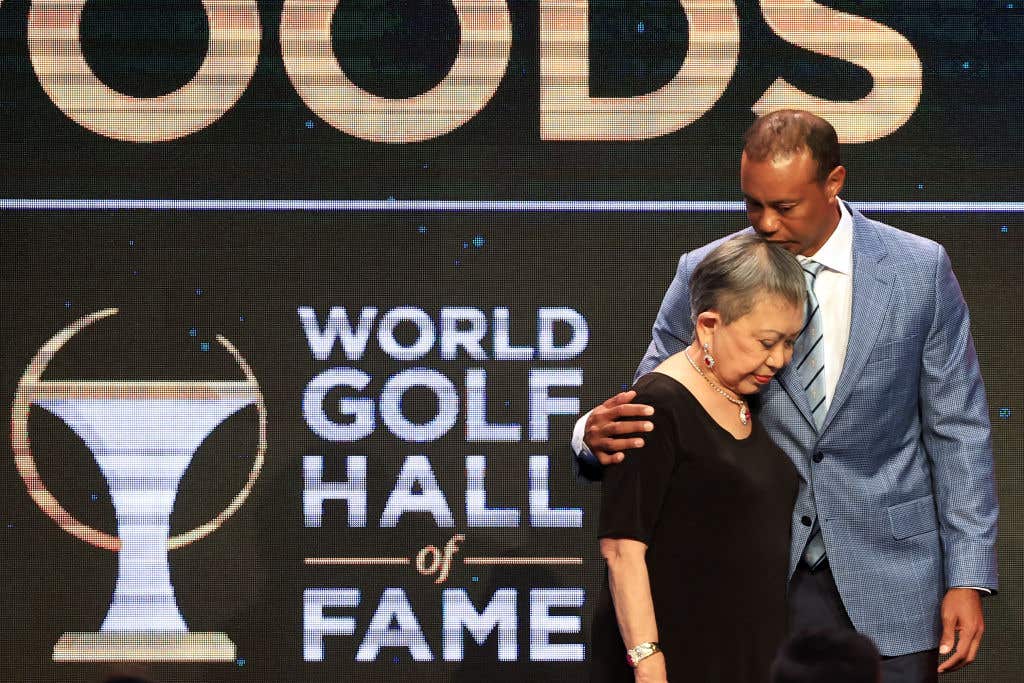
(143, 435)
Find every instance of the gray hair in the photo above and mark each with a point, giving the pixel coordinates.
(739, 272)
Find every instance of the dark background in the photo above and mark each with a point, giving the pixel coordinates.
(243, 274)
(963, 142)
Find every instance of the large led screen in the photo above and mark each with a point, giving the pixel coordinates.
(301, 301)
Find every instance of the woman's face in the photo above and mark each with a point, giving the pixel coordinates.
(751, 349)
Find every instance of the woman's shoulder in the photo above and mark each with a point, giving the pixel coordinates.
(677, 412)
(658, 389)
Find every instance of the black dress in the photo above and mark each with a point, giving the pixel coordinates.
(715, 513)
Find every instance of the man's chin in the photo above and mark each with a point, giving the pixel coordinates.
(791, 247)
(788, 245)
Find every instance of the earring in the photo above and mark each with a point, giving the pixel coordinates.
(709, 360)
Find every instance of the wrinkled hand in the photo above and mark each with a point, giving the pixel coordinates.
(611, 420)
(962, 624)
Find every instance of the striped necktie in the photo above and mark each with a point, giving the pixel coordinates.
(811, 369)
(809, 351)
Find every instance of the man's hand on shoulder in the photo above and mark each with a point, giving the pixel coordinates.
(608, 423)
(963, 624)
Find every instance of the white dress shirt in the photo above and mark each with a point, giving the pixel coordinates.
(834, 289)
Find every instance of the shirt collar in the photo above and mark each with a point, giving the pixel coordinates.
(837, 252)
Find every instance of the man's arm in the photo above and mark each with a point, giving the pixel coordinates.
(957, 437)
(596, 439)
(673, 329)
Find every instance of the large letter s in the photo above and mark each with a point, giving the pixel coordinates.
(885, 54)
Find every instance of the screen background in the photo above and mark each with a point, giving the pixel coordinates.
(182, 274)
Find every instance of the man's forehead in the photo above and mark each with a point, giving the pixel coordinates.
(782, 157)
(783, 175)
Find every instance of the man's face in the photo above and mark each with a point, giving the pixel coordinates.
(787, 204)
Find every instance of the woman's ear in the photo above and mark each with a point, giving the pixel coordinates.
(707, 324)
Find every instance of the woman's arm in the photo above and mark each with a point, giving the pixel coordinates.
(634, 608)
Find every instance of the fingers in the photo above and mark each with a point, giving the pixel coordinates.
(609, 450)
(972, 651)
(620, 427)
(608, 441)
(608, 424)
(948, 639)
(619, 406)
(968, 642)
(955, 661)
(628, 410)
(613, 452)
(962, 627)
(609, 458)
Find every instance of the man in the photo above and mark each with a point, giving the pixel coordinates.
(882, 411)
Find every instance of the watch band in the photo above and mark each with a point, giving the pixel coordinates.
(635, 655)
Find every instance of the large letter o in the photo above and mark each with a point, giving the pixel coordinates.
(55, 48)
(318, 78)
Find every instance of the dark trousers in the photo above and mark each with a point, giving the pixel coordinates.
(814, 603)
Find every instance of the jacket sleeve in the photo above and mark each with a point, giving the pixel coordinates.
(957, 437)
(672, 329)
(671, 333)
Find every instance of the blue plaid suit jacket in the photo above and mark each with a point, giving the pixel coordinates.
(905, 492)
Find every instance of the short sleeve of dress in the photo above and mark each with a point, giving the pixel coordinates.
(634, 490)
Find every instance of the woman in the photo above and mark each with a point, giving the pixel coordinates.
(695, 525)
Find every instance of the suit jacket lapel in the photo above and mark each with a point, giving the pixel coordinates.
(791, 381)
(872, 290)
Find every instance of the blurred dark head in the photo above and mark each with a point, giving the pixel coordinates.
(834, 656)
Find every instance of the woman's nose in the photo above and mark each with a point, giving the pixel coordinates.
(777, 359)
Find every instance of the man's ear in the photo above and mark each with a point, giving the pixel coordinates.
(835, 181)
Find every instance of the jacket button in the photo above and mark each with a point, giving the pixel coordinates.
(805, 520)
(818, 457)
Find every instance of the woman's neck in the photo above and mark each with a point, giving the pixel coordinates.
(696, 355)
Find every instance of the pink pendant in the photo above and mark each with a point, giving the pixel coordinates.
(744, 415)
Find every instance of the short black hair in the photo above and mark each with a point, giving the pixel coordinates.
(835, 656)
(788, 132)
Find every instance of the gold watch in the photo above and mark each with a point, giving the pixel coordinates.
(635, 655)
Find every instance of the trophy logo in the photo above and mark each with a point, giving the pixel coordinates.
(143, 435)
